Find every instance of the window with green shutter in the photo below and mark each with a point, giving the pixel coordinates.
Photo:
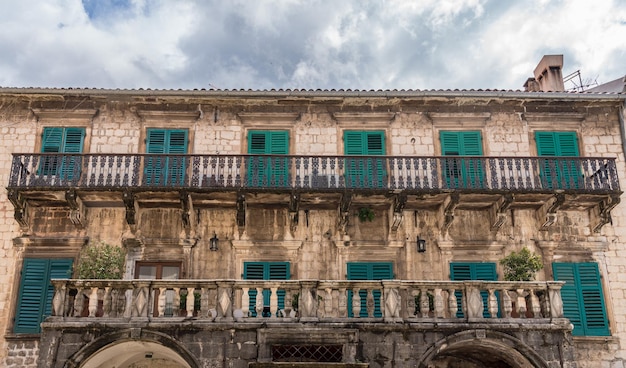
(58, 140)
(558, 173)
(36, 292)
(463, 271)
(583, 299)
(266, 271)
(365, 172)
(268, 171)
(368, 271)
(462, 172)
(165, 165)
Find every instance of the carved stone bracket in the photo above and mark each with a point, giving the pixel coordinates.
(77, 209)
(501, 211)
(449, 211)
(131, 207)
(241, 210)
(21, 208)
(294, 206)
(398, 209)
(344, 212)
(550, 209)
(604, 208)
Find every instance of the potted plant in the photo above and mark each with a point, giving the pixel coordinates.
(521, 266)
(366, 214)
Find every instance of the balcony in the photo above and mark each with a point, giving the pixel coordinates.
(386, 301)
(322, 182)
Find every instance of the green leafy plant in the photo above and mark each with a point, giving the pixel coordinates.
(366, 214)
(101, 261)
(521, 266)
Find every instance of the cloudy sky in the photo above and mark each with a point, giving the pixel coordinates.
(349, 44)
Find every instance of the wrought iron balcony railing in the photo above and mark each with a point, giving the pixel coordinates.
(320, 173)
(306, 300)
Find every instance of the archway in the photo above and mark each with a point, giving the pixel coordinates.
(479, 349)
(130, 349)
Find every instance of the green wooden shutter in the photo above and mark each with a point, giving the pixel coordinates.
(558, 173)
(62, 140)
(36, 292)
(268, 171)
(464, 271)
(266, 271)
(366, 172)
(462, 172)
(162, 169)
(583, 299)
(368, 271)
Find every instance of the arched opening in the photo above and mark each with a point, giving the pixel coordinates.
(470, 349)
(135, 354)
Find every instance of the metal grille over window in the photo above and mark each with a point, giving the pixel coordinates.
(307, 353)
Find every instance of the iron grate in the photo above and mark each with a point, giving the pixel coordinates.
(307, 353)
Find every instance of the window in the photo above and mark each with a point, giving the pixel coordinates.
(159, 271)
(368, 271)
(266, 271)
(583, 300)
(61, 140)
(366, 172)
(268, 171)
(166, 165)
(36, 292)
(462, 172)
(463, 271)
(558, 173)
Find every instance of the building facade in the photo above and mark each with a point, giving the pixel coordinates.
(354, 228)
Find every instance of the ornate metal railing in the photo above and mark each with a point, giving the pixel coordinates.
(582, 174)
(306, 300)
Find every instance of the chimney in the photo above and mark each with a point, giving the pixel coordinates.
(548, 75)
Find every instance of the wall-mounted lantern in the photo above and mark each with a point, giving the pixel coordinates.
(213, 242)
(421, 245)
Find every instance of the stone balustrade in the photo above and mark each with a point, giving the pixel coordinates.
(305, 300)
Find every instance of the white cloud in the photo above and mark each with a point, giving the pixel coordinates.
(357, 44)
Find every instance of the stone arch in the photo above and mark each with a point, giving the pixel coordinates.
(483, 348)
(132, 346)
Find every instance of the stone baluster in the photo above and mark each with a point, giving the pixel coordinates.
(438, 303)
(176, 302)
(521, 303)
(492, 302)
(58, 302)
(288, 301)
(225, 300)
(191, 298)
(453, 306)
(507, 304)
(245, 301)
(115, 303)
(343, 302)
(356, 303)
(370, 303)
(556, 303)
(106, 302)
(474, 307)
(328, 303)
(93, 302)
(273, 302)
(204, 303)
(424, 303)
(258, 307)
(78, 302)
(534, 304)
(162, 301)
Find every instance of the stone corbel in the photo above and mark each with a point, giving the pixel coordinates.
(344, 212)
(77, 209)
(188, 215)
(501, 211)
(241, 210)
(131, 207)
(448, 212)
(294, 206)
(550, 208)
(398, 209)
(21, 208)
(603, 212)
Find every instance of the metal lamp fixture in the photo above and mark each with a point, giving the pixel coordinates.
(213, 242)
(421, 245)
